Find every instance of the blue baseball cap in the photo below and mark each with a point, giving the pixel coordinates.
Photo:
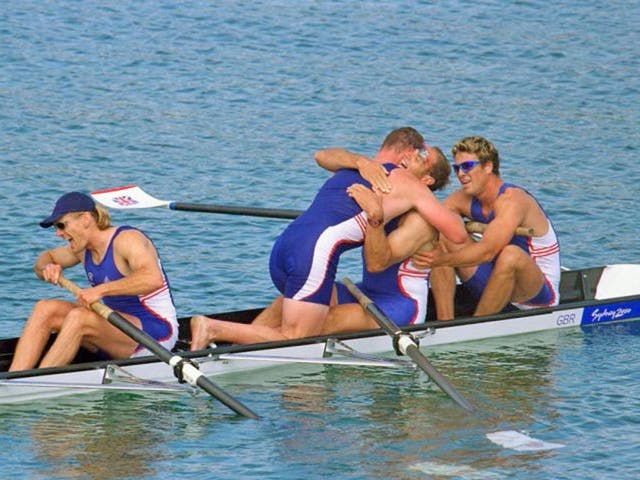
(67, 203)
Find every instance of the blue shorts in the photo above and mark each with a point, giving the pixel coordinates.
(478, 282)
(304, 259)
(402, 310)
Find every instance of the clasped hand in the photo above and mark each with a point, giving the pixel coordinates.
(370, 201)
(428, 259)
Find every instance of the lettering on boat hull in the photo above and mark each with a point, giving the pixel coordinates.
(610, 313)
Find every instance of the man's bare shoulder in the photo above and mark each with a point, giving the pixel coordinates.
(405, 183)
(419, 228)
(131, 238)
(458, 200)
(412, 219)
(515, 196)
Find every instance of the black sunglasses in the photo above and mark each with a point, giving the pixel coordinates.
(62, 225)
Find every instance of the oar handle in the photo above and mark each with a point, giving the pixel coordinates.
(406, 344)
(183, 369)
(478, 227)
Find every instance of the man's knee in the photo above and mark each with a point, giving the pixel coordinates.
(43, 307)
(76, 320)
(45, 313)
(511, 258)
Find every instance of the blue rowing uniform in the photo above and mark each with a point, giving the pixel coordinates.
(544, 250)
(155, 310)
(304, 258)
(400, 291)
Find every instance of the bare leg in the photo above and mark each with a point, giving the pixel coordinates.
(47, 316)
(348, 317)
(302, 319)
(266, 326)
(205, 330)
(83, 327)
(443, 288)
(515, 278)
(299, 319)
(443, 281)
(272, 315)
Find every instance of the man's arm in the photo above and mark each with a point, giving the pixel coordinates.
(333, 159)
(509, 212)
(409, 192)
(382, 251)
(50, 263)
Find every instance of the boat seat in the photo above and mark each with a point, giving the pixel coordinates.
(579, 285)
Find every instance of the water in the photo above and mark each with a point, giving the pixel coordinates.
(225, 103)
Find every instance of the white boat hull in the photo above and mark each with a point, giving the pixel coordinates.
(213, 364)
(19, 387)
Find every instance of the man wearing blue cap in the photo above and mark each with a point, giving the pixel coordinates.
(124, 270)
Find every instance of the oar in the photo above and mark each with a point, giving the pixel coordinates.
(132, 196)
(181, 367)
(406, 344)
(477, 227)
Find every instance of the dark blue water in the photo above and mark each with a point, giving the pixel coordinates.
(225, 102)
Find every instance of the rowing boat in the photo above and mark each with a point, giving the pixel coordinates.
(589, 296)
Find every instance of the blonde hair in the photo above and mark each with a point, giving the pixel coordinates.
(483, 148)
(440, 170)
(102, 217)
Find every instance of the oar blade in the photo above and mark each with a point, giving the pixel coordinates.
(127, 197)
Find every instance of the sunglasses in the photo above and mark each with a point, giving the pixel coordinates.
(60, 226)
(423, 153)
(465, 166)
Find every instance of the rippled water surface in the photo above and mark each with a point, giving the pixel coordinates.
(225, 102)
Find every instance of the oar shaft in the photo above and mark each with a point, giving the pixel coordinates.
(233, 210)
(290, 214)
(191, 373)
(406, 344)
(413, 352)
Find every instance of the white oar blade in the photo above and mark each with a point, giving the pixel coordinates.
(446, 470)
(127, 197)
(520, 442)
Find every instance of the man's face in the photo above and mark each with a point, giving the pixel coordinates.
(470, 172)
(418, 161)
(70, 228)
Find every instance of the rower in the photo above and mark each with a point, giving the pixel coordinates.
(124, 271)
(305, 257)
(502, 267)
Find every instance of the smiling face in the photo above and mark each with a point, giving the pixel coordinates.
(471, 173)
(418, 161)
(476, 161)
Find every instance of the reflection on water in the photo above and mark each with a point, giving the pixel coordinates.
(373, 423)
(107, 435)
(350, 422)
(96, 436)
